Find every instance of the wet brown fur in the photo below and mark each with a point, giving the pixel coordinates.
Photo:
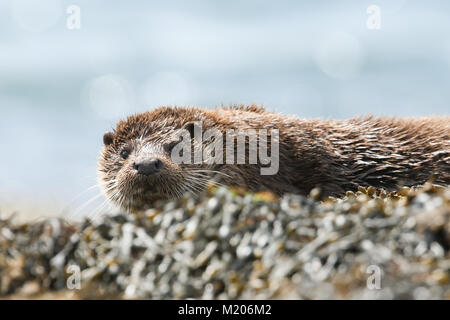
(335, 155)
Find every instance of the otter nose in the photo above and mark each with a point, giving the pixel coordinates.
(148, 167)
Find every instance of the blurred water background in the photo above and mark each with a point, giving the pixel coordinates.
(61, 88)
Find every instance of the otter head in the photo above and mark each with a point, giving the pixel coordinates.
(136, 166)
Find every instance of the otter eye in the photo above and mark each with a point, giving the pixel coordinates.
(124, 153)
(168, 147)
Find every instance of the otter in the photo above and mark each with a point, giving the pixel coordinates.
(136, 166)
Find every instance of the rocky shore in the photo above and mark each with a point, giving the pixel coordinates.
(229, 244)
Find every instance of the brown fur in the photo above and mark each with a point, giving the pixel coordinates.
(335, 155)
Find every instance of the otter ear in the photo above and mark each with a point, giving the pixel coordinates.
(190, 127)
(108, 138)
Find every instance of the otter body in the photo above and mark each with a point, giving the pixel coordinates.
(136, 168)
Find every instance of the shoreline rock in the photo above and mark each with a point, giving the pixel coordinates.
(229, 244)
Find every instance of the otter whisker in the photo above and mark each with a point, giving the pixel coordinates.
(200, 184)
(190, 188)
(206, 181)
(79, 195)
(97, 185)
(209, 171)
(77, 211)
(99, 209)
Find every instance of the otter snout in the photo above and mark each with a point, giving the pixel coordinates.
(148, 166)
